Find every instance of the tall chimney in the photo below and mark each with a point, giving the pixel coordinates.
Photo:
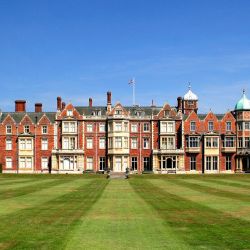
(59, 103)
(179, 103)
(63, 105)
(20, 106)
(90, 102)
(108, 101)
(38, 107)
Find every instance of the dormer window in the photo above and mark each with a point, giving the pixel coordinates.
(192, 126)
(8, 129)
(138, 113)
(210, 126)
(26, 129)
(166, 113)
(228, 126)
(118, 112)
(70, 112)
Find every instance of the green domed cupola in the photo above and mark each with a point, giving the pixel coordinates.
(243, 103)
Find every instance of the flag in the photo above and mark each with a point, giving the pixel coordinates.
(131, 81)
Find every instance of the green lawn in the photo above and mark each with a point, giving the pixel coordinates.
(144, 212)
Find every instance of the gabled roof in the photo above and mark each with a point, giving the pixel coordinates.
(34, 116)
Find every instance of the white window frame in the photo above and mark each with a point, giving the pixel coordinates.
(102, 143)
(89, 143)
(89, 163)
(134, 143)
(44, 129)
(8, 144)
(8, 129)
(44, 144)
(89, 127)
(44, 162)
(102, 127)
(8, 162)
(134, 127)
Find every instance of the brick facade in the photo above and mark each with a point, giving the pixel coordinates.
(164, 139)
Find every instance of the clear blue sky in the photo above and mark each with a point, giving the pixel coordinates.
(81, 48)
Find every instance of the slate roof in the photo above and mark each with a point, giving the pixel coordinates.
(34, 116)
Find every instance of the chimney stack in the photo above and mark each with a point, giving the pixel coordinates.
(179, 103)
(20, 106)
(38, 107)
(63, 105)
(108, 101)
(90, 102)
(59, 103)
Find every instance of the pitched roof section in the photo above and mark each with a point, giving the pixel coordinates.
(34, 116)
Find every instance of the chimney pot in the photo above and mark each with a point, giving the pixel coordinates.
(59, 103)
(20, 106)
(90, 102)
(38, 107)
(63, 105)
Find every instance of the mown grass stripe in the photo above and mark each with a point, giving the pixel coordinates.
(223, 186)
(35, 186)
(46, 226)
(121, 219)
(32, 199)
(194, 184)
(199, 226)
(228, 182)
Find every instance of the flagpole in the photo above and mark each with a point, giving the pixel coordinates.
(133, 92)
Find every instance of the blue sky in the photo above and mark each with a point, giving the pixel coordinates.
(82, 48)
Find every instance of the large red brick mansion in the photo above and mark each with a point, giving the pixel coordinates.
(164, 139)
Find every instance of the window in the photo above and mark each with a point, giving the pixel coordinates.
(110, 127)
(8, 144)
(210, 126)
(212, 142)
(192, 163)
(247, 142)
(89, 163)
(170, 127)
(8, 129)
(44, 162)
(69, 127)
(146, 164)
(247, 125)
(134, 143)
(170, 143)
(89, 127)
(101, 127)
(26, 129)
(102, 143)
(8, 162)
(28, 144)
(193, 142)
(134, 163)
(240, 126)
(229, 142)
(69, 143)
(44, 129)
(44, 144)
(145, 143)
(166, 113)
(118, 112)
(228, 163)
(146, 127)
(89, 143)
(25, 144)
(125, 140)
(167, 143)
(228, 126)
(70, 112)
(211, 162)
(134, 128)
(118, 126)
(110, 142)
(164, 143)
(25, 162)
(102, 163)
(125, 126)
(240, 142)
(192, 126)
(118, 142)
(208, 163)
(167, 127)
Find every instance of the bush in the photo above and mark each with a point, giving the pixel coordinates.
(1, 168)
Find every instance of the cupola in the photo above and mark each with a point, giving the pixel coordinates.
(243, 103)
